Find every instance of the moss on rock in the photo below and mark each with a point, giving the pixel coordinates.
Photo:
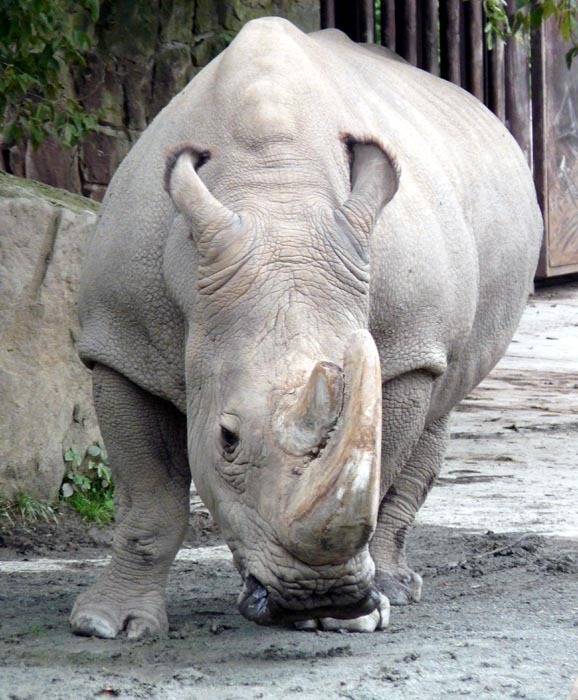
(12, 187)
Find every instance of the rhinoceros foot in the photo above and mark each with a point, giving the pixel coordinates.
(401, 586)
(375, 621)
(100, 613)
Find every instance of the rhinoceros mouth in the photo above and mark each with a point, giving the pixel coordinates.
(257, 605)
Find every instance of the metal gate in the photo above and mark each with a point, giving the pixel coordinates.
(539, 105)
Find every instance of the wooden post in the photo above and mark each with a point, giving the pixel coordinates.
(539, 137)
(497, 92)
(367, 21)
(356, 19)
(518, 91)
(327, 14)
(406, 26)
(348, 17)
(388, 24)
(429, 25)
(450, 40)
(475, 48)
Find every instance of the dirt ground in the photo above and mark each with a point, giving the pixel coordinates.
(497, 545)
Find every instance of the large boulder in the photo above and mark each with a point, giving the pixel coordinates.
(45, 404)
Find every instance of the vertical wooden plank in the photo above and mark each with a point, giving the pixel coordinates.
(475, 48)
(450, 40)
(517, 72)
(429, 19)
(348, 18)
(388, 24)
(497, 92)
(327, 14)
(539, 127)
(406, 35)
(464, 48)
(418, 41)
(400, 33)
(559, 172)
(367, 21)
(517, 97)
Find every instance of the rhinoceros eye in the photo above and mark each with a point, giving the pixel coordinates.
(229, 442)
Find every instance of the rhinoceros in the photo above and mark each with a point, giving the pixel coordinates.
(311, 255)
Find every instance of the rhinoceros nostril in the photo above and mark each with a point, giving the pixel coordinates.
(255, 601)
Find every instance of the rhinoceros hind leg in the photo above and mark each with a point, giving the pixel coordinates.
(146, 442)
(397, 511)
(375, 621)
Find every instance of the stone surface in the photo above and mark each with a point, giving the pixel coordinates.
(143, 54)
(102, 153)
(45, 390)
(53, 163)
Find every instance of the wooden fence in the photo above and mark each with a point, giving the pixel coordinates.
(447, 38)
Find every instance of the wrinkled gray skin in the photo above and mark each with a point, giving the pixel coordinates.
(344, 191)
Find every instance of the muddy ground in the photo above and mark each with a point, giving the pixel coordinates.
(497, 544)
(499, 619)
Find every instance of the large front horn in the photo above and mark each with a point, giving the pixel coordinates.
(212, 222)
(330, 508)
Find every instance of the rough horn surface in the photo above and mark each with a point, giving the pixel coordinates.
(332, 508)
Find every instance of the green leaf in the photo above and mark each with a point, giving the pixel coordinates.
(68, 135)
(12, 132)
(536, 16)
(93, 451)
(565, 26)
(71, 455)
(66, 490)
(39, 41)
(44, 112)
(36, 134)
(93, 7)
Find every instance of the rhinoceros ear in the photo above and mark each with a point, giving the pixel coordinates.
(209, 218)
(375, 174)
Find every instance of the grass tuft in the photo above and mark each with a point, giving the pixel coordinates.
(96, 507)
(27, 508)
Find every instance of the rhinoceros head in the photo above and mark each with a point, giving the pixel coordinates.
(284, 384)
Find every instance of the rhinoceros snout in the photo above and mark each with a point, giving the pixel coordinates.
(257, 605)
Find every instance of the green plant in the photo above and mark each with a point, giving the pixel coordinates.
(5, 512)
(39, 40)
(529, 15)
(32, 509)
(87, 486)
(29, 509)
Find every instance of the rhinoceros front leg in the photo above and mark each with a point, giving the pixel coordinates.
(397, 511)
(146, 442)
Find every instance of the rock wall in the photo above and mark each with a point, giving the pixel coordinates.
(45, 404)
(144, 53)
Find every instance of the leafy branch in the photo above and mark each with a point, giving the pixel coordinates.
(39, 40)
(529, 15)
